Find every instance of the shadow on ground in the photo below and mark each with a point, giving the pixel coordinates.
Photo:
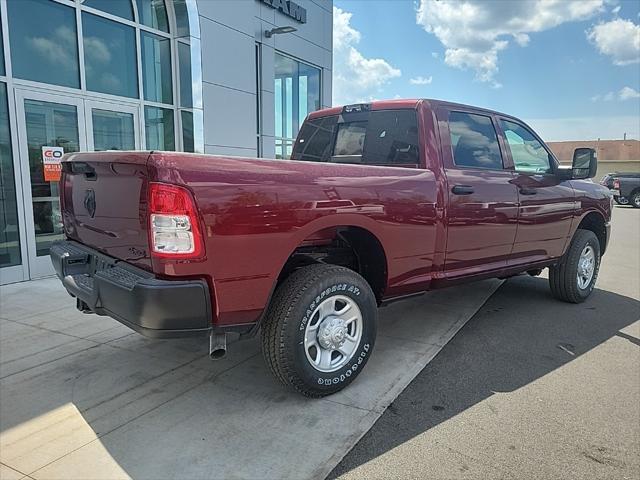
(498, 350)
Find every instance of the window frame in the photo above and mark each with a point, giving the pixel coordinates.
(553, 161)
(507, 164)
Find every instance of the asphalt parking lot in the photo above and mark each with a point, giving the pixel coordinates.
(529, 388)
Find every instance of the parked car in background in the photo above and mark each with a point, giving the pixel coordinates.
(625, 187)
(379, 202)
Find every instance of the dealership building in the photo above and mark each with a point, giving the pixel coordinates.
(230, 77)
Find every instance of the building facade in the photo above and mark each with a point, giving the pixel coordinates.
(230, 77)
(613, 155)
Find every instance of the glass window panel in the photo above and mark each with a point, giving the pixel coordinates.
(112, 130)
(392, 138)
(2, 70)
(110, 56)
(9, 232)
(182, 18)
(474, 141)
(186, 87)
(527, 152)
(153, 13)
(350, 139)
(310, 99)
(44, 39)
(297, 93)
(48, 124)
(315, 140)
(159, 130)
(156, 68)
(121, 8)
(187, 131)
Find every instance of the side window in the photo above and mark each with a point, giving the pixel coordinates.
(474, 141)
(529, 155)
(315, 140)
(392, 138)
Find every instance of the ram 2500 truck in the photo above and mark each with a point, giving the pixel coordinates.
(379, 201)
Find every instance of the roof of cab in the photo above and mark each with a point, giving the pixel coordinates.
(405, 103)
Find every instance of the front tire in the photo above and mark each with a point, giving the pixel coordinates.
(320, 329)
(573, 279)
(621, 200)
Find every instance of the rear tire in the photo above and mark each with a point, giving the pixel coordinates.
(307, 340)
(634, 200)
(573, 279)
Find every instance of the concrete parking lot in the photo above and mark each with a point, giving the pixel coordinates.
(83, 397)
(529, 388)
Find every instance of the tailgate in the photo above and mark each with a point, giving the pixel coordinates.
(104, 197)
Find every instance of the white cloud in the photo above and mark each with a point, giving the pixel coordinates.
(58, 49)
(625, 93)
(616, 10)
(619, 39)
(355, 77)
(628, 93)
(421, 80)
(586, 128)
(473, 32)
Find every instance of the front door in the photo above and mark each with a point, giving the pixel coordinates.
(546, 202)
(69, 125)
(482, 211)
(44, 120)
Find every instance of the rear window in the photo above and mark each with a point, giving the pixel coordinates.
(384, 137)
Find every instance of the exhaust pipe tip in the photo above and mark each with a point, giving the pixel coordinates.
(217, 346)
(218, 354)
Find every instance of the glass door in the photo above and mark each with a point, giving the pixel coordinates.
(48, 126)
(112, 126)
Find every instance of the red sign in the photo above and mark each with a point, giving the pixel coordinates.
(51, 157)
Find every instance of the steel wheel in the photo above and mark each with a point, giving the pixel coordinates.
(333, 333)
(586, 267)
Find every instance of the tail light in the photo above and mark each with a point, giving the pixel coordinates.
(616, 184)
(174, 229)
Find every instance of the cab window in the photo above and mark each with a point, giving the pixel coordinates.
(529, 155)
(474, 141)
(383, 137)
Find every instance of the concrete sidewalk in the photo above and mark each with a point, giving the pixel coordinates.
(83, 397)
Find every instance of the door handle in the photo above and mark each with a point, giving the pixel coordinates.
(462, 190)
(528, 191)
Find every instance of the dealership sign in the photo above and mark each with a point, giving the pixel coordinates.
(51, 158)
(289, 8)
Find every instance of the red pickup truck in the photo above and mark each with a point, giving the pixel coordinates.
(379, 201)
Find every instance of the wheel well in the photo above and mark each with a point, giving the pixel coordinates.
(595, 222)
(348, 246)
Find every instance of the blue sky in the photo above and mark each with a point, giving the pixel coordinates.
(571, 68)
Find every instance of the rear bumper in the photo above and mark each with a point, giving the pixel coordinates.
(151, 306)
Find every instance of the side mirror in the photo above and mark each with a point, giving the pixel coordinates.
(585, 163)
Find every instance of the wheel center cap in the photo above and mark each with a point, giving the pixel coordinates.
(332, 333)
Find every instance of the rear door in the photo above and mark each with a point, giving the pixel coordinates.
(483, 200)
(546, 202)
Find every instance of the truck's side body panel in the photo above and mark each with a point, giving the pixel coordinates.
(257, 212)
(254, 213)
